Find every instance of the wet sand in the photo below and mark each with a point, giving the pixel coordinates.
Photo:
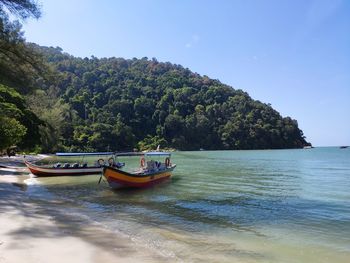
(34, 230)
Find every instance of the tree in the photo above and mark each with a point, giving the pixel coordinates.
(11, 132)
(151, 143)
(129, 103)
(20, 64)
(13, 106)
(21, 8)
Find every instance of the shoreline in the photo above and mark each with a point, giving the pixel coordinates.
(34, 230)
(17, 160)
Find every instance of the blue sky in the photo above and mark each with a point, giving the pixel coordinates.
(293, 54)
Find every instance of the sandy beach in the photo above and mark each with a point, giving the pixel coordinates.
(33, 230)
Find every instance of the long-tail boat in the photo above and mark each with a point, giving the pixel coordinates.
(77, 168)
(149, 173)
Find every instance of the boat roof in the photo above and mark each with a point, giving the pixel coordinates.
(128, 153)
(83, 154)
(117, 154)
(157, 154)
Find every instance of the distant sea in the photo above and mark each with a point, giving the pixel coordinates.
(226, 206)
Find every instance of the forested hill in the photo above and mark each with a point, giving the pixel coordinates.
(117, 104)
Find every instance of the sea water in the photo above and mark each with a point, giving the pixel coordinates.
(226, 206)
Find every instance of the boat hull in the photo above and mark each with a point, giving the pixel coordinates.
(120, 179)
(41, 171)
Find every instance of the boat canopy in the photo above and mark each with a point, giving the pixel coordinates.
(117, 154)
(157, 154)
(128, 153)
(84, 154)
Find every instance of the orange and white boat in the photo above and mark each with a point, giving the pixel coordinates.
(150, 172)
(73, 169)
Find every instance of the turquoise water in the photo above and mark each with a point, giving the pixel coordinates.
(228, 206)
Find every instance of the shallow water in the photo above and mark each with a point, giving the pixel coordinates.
(227, 206)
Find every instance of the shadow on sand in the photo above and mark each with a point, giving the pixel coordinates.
(13, 198)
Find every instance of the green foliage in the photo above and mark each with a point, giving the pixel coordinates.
(151, 143)
(21, 8)
(88, 104)
(21, 66)
(14, 108)
(11, 132)
(56, 116)
(121, 104)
